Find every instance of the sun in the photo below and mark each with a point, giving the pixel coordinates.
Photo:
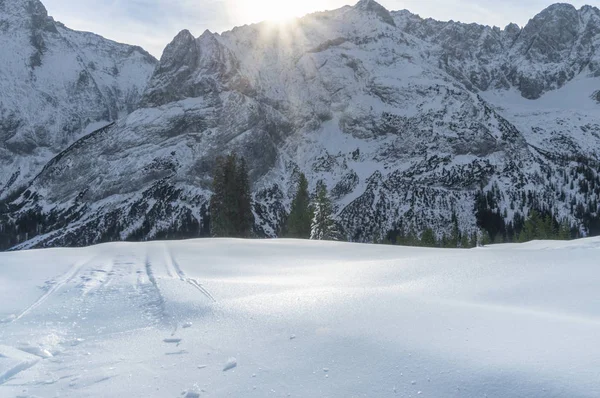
(278, 11)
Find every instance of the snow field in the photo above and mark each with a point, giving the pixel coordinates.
(302, 319)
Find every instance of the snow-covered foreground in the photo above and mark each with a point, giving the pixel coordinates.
(301, 319)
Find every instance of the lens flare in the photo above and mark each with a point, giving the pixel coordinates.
(278, 11)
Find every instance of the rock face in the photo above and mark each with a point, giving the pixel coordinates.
(56, 85)
(555, 46)
(404, 119)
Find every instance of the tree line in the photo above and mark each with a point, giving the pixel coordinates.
(313, 216)
(231, 207)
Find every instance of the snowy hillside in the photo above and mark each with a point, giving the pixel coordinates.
(406, 120)
(57, 85)
(215, 318)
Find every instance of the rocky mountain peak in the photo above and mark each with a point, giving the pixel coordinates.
(512, 28)
(373, 7)
(587, 9)
(177, 64)
(189, 68)
(180, 43)
(30, 14)
(552, 30)
(549, 38)
(558, 8)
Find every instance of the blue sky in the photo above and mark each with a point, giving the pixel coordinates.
(153, 23)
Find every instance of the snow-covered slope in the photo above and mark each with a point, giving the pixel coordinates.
(56, 85)
(300, 319)
(556, 45)
(388, 109)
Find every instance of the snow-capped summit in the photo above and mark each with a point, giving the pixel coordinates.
(56, 85)
(30, 14)
(374, 7)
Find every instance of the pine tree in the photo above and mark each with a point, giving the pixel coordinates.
(484, 238)
(323, 226)
(428, 238)
(474, 239)
(564, 232)
(218, 218)
(300, 219)
(464, 241)
(231, 202)
(244, 201)
(455, 235)
(531, 228)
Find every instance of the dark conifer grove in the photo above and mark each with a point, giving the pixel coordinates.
(231, 203)
(301, 214)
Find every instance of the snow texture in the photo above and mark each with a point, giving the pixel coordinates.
(378, 321)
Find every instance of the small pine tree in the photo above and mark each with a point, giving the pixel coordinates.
(464, 241)
(408, 239)
(428, 238)
(499, 239)
(474, 239)
(454, 239)
(484, 239)
(564, 231)
(531, 228)
(300, 218)
(323, 226)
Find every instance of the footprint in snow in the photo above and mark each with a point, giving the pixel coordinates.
(182, 352)
(230, 364)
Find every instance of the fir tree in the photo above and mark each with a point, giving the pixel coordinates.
(531, 228)
(218, 217)
(564, 231)
(464, 241)
(484, 239)
(323, 226)
(474, 239)
(231, 202)
(300, 219)
(244, 201)
(428, 238)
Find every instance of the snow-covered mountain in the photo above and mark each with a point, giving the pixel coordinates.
(405, 119)
(56, 85)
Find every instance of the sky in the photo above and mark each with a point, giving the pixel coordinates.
(152, 24)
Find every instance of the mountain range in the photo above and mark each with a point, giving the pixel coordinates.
(409, 121)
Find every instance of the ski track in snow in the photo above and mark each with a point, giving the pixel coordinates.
(174, 265)
(159, 298)
(127, 277)
(98, 278)
(61, 282)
